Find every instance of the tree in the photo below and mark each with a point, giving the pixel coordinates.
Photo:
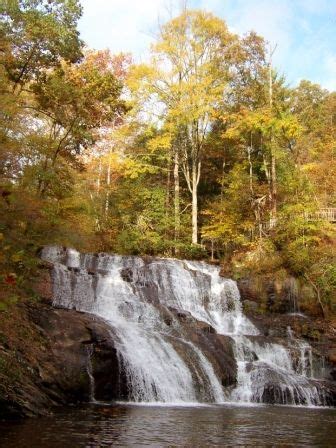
(54, 102)
(74, 102)
(35, 37)
(189, 72)
(40, 34)
(314, 152)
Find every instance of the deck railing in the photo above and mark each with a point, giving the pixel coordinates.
(323, 214)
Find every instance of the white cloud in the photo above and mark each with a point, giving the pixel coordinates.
(302, 29)
(121, 25)
(270, 19)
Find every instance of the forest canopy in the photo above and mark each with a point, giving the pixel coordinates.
(203, 151)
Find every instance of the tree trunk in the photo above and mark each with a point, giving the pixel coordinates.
(108, 183)
(99, 175)
(273, 180)
(192, 178)
(176, 197)
(194, 208)
(167, 200)
(273, 187)
(249, 150)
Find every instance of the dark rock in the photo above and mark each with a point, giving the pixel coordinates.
(247, 290)
(217, 348)
(332, 355)
(279, 293)
(127, 275)
(270, 386)
(320, 334)
(181, 315)
(53, 367)
(250, 305)
(108, 379)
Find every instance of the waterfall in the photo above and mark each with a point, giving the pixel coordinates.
(142, 299)
(89, 350)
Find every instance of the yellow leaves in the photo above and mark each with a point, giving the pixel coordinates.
(162, 141)
(186, 78)
(133, 168)
(263, 121)
(112, 160)
(17, 257)
(286, 125)
(143, 223)
(139, 74)
(223, 230)
(232, 133)
(309, 167)
(201, 25)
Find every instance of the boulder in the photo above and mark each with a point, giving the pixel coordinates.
(44, 361)
(273, 387)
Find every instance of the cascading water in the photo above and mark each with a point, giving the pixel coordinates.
(90, 374)
(160, 361)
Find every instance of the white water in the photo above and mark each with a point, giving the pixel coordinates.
(90, 374)
(161, 364)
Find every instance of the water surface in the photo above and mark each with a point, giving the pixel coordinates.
(167, 426)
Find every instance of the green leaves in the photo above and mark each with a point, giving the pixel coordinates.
(39, 34)
(54, 104)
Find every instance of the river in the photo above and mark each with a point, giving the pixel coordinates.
(168, 426)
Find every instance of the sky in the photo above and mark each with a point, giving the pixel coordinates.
(304, 31)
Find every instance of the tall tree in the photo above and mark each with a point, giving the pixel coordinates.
(191, 67)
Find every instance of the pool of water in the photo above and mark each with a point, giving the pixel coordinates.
(171, 426)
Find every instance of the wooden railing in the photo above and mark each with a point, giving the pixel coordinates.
(323, 214)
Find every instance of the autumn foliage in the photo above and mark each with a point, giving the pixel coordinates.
(201, 152)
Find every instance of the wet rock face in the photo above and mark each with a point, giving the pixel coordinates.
(52, 368)
(272, 388)
(70, 334)
(218, 348)
(55, 367)
(174, 330)
(181, 333)
(268, 293)
(318, 333)
(109, 380)
(273, 294)
(278, 308)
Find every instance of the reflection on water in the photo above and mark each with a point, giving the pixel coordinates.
(146, 426)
